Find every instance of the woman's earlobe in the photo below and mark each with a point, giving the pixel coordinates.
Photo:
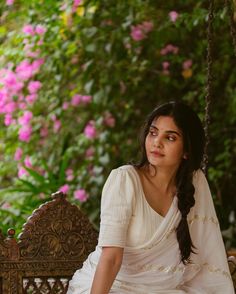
(185, 156)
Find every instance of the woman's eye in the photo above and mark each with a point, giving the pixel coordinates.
(152, 133)
(171, 138)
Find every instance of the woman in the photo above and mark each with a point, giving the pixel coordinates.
(159, 231)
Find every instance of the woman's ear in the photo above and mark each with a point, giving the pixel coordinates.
(185, 156)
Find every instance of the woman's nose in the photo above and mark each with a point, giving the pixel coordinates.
(157, 142)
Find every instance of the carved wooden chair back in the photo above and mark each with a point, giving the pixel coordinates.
(54, 242)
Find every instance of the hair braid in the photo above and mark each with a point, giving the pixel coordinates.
(185, 194)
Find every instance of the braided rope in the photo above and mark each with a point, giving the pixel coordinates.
(208, 96)
(231, 11)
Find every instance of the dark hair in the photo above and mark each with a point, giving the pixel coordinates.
(194, 140)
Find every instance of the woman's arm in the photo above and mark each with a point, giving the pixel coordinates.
(107, 269)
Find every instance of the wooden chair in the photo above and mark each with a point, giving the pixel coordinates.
(54, 242)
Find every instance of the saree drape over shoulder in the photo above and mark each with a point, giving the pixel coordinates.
(151, 262)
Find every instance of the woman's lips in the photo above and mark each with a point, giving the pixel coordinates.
(156, 153)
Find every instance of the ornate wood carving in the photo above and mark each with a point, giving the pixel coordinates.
(54, 242)
(4, 252)
(57, 230)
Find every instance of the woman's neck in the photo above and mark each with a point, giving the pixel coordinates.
(162, 179)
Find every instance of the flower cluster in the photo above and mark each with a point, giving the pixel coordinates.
(140, 31)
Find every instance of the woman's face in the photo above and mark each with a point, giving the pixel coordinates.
(164, 143)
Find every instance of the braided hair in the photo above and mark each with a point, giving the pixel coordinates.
(194, 140)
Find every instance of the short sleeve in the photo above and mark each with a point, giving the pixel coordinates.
(116, 208)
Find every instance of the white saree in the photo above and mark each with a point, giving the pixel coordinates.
(151, 262)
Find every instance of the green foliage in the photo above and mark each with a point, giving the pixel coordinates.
(91, 52)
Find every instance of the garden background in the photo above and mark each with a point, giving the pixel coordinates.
(77, 79)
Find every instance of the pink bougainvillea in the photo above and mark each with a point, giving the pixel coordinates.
(27, 162)
(18, 154)
(25, 133)
(28, 30)
(69, 174)
(34, 86)
(21, 172)
(10, 2)
(173, 15)
(90, 130)
(76, 100)
(187, 64)
(139, 32)
(109, 119)
(86, 99)
(40, 30)
(90, 152)
(81, 195)
(64, 189)
(25, 118)
(169, 48)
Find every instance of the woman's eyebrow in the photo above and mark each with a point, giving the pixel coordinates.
(167, 131)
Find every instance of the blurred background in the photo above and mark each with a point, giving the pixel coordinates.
(77, 79)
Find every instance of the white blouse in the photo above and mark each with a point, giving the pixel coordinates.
(126, 217)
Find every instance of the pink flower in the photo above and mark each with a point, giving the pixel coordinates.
(27, 162)
(147, 26)
(109, 120)
(165, 65)
(25, 118)
(187, 64)
(90, 130)
(22, 106)
(28, 30)
(65, 105)
(64, 188)
(25, 133)
(69, 174)
(8, 119)
(56, 125)
(10, 107)
(53, 117)
(22, 172)
(173, 15)
(18, 154)
(137, 34)
(24, 70)
(140, 31)
(34, 86)
(81, 195)
(76, 100)
(75, 5)
(86, 99)
(33, 54)
(6, 205)
(40, 30)
(169, 49)
(37, 64)
(30, 99)
(10, 2)
(44, 132)
(90, 152)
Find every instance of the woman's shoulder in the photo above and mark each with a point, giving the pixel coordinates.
(125, 169)
(123, 172)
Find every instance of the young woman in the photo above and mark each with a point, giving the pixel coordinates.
(159, 232)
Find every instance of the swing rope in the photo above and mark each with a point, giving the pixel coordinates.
(208, 96)
(230, 9)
